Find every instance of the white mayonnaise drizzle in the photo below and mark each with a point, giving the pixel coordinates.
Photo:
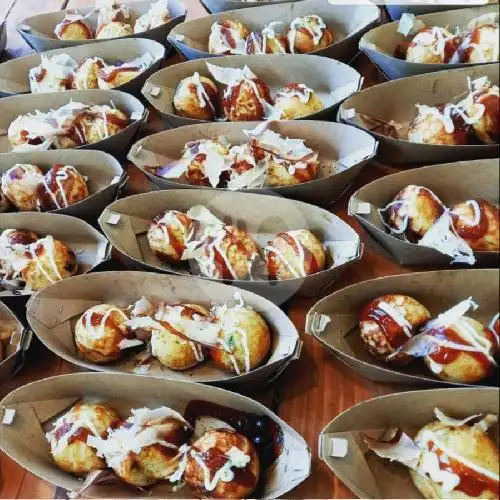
(297, 271)
(477, 214)
(435, 40)
(218, 40)
(105, 311)
(446, 116)
(398, 315)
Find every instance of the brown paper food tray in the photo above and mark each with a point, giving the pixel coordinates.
(12, 107)
(380, 43)
(344, 151)
(451, 182)
(38, 31)
(396, 101)
(215, 6)
(396, 11)
(347, 25)
(13, 353)
(37, 403)
(53, 313)
(332, 80)
(370, 476)
(89, 245)
(3, 35)
(104, 173)
(436, 290)
(14, 74)
(262, 216)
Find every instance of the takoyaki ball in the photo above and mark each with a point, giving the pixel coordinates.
(168, 235)
(467, 443)
(387, 322)
(432, 126)
(68, 438)
(484, 105)
(288, 173)
(12, 243)
(309, 33)
(197, 97)
(50, 260)
(478, 223)
(227, 37)
(86, 73)
(20, 184)
(157, 15)
(73, 30)
(63, 186)
(223, 448)
(114, 29)
(483, 45)
(103, 122)
(413, 211)
(169, 347)
(114, 76)
(432, 46)
(463, 366)
(99, 331)
(246, 100)
(245, 339)
(296, 100)
(197, 172)
(294, 254)
(265, 42)
(230, 254)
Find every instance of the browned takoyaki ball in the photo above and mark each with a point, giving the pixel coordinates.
(387, 322)
(483, 44)
(63, 186)
(246, 100)
(86, 75)
(245, 339)
(463, 366)
(432, 46)
(484, 105)
(168, 235)
(309, 33)
(219, 448)
(413, 211)
(295, 254)
(260, 42)
(114, 29)
(73, 30)
(226, 36)
(102, 122)
(296, 100)
(20, 184)
(478, 223)
(197, 97)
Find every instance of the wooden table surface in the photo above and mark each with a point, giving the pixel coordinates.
(312, 391)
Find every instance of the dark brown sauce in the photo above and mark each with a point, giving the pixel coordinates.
(21, 237)
(472, 483)
(393, 332)
(228, 36)
(473, 232)
(40, 75)
(265, 434)
(445, 355)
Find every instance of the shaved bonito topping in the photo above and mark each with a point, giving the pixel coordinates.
(224, 40)
(269, 32)
(142, 307)
(451, 316)
(401, 449)
(250, 179)
(156, 16)
(443, 237)
(435, 38)
(139, 431)
(453, 422)
(236, 458)
(201, 213)
(409, 24)
(315, 29)
(53, 73)
(446, 115)
(492, 325)
(105, 311)
(110, 13)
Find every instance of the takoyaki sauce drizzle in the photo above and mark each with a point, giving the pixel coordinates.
(109, 76)
(472, 483)
(473, 232)
(265, 434)
(462, 132)
(226, 33)
(445, 355)
(393, 332)
(232, 94)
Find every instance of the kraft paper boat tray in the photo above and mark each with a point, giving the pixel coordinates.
(370, 476)
(89, 245)
(436, 290)
(104, 175)
(332, 80)
(12, 107)
(343, 152)
(215, 6)
(36, 405)
(38, 30)
(451, 182)
(422, 7)
(14, 74)
(380, 43)
(53, 313)
(12, 350)
(346, 24)
(126, 221)
(396, 100)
